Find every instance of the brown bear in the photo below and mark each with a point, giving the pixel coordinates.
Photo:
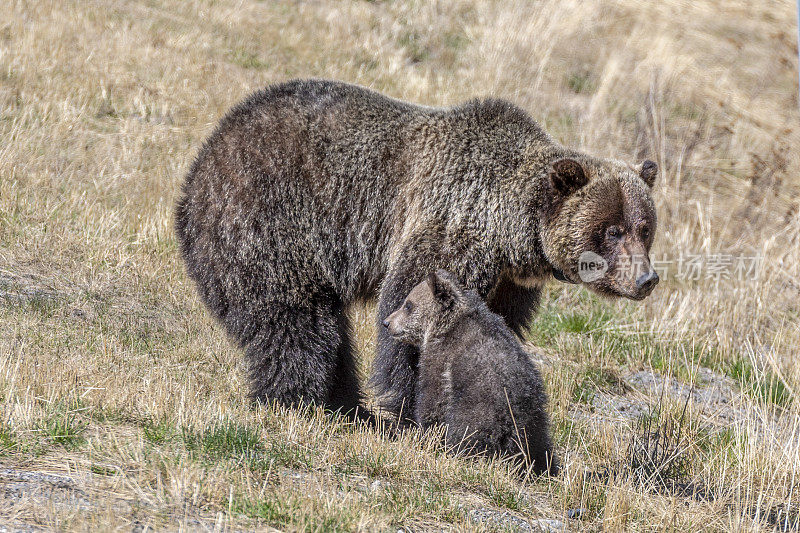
(474, 377)
(312, 195)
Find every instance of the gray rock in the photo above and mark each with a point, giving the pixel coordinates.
(578, 513)
(549, 525)
(515, 523)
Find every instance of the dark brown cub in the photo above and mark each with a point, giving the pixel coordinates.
(474, 377)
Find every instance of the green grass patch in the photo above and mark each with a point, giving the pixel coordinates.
(721, 444)
(589, 325)
(103, 470)
(8, 441)
(580, 82)
(417, 50)
(276, 510)
(658, 453)
(762, 385)
(159, 431)
(593, 379)
(224, 440)
(246, 59)
(27, 300)
(430, 499)
(375, 464)
(583, 392)
(139, 335)
(287, 455)
(455, 40)
(232, 440)
(282, 511)
(64, 426)
(551, 322)
(505, 496)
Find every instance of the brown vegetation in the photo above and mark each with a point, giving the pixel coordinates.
(113, 376)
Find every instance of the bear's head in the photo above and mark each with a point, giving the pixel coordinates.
(598, 225)
(429, 308)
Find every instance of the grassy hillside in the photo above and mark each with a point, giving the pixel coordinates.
(122, 405)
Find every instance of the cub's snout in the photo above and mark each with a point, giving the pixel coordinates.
(393, 324)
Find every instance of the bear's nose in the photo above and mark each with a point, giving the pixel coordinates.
(386, 322)
(647, 282)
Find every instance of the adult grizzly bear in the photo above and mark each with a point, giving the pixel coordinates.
(311, 195)
(475, 379)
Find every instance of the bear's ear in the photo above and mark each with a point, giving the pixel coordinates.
(567, 176)
(649, 172)
(444, 288)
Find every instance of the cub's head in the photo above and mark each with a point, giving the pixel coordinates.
(429, 306)
(598, 225)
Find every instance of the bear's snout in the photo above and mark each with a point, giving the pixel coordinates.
(647, 282)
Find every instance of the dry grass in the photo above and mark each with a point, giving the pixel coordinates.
(112, 373)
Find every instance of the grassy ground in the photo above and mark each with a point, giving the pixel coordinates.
(123, 405)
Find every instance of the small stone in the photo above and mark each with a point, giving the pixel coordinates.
(578, 513)
(549, 526)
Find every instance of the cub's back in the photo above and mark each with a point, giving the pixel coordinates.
(489, 365)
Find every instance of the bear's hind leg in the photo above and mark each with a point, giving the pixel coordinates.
(294, 353)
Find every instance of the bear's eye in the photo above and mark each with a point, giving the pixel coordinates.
(409, 307)
(615, 232)
(645, 233)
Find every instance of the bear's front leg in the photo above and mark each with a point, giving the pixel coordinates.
(515, 303)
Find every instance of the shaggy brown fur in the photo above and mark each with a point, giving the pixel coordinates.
(474, 376)
(311, 195)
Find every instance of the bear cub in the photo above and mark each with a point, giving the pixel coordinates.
(474, 377)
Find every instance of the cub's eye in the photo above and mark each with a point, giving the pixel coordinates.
(408, 306)
(645, 233)
(615, 232)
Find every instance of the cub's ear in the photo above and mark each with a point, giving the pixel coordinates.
(444, 287)
(649, 172)
(567, 176)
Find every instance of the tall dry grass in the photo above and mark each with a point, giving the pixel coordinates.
(111, 370)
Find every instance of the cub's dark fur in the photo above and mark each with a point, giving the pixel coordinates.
(312, 195)
(474, 376)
